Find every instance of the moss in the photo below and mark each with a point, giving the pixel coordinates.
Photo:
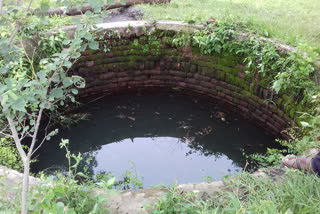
(185, 67)
(235, 100)
(221, 75)
(287, 99)
(300, 108)
(224, 68)
(279, 101)
(219, 89)
(241, 83)
(193, 68)
(246, 93)
(292, 113)
(230, 78)
(202, 63)
(205, 70)
(252, 88)
(264, 83)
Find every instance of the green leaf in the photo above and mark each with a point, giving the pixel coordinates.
(12, 95)
(123, 2)
(41, 75)
(74, 91)
(19, 105)
(94, 45)
(81, 174)
(4, 99)
(104, 14)
(57, 93)
(75, 20)
(67, 82)
(67, 64)
(2, 88)
(89, 14)
(111, 181)
(110, 2)
(60, 208)
(66, 42)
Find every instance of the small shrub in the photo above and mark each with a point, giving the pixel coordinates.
(9, 155)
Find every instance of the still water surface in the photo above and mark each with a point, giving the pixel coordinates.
(162, 138)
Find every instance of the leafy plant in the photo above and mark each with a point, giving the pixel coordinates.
(26, 92)
(9, 155)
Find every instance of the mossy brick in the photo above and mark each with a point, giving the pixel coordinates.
(229, 60)
(193, 68)
(224, 68)
(185, 66)
(201, 63)
(221, 75)
(246, 93)
(252, 88)
(229, 78)
(241, 83)
(219, 89)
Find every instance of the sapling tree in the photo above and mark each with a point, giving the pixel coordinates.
(29, 87)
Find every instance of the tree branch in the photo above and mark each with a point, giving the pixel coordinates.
(1, 7)
(45, 136)
(36, 129)
(16, 30)
(16, 139)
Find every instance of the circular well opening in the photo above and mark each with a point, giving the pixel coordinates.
(162, 137)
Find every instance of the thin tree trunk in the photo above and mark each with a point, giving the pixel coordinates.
(25, 186)
(1, 6)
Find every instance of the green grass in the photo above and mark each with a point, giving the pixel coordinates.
(292, 22)
(297, 193)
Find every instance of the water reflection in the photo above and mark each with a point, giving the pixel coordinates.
(162, 160)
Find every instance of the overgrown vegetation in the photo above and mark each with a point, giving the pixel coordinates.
(292, 75)
(289, 21)
(9, 155)
(32, 83)
(295, 193)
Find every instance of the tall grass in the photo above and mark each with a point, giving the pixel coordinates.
(292, 22)
(296, 193)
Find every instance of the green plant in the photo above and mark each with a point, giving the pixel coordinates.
(175, 202)
(9, 155)
(27, 91)
(49, 45)
(130, 180)
(272, 157)
(208, 179)
(65, 195)
(295, 193)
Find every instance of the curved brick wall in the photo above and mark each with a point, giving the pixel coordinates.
(223, 78)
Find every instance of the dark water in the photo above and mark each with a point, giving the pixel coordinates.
(163, 137)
